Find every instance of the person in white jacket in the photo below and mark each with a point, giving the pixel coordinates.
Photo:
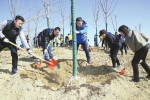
(57, 41)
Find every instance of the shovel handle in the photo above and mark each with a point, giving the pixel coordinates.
(24, 50)
(16, 45)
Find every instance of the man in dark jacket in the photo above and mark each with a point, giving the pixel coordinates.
(9, 30)
(81, 30)
(138, 44)
(114, 45)
(44, 38)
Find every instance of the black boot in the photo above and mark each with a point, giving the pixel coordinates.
(146, 68)
(136, 73)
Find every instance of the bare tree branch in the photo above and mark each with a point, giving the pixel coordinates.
(113, 9)
(13, 7)
(110, 6)
(32, 19)
(140, 27)
(107, 10)
(95, 11)
(113, 24)
(49, 6)
(116, 22)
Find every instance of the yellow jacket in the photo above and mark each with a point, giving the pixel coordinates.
(70, 37)
(61, 39)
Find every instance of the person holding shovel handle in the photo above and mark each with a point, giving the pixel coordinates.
(138, 44)
(44, 38)
(9, 30)
(114, 44)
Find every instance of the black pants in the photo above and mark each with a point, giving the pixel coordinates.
(85, 48)
(124, 46)
(14, 53)
(114, 51)
(140, 55)
(61, 44)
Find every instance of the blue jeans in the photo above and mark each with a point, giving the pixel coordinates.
(70, 43)
(85, 48)
(48, 55)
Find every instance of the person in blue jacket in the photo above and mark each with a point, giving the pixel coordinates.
(81, 30)
(114, 44)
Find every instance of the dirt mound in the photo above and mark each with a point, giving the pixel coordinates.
(98, 79)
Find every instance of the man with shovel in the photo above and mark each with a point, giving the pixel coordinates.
(44, 38)
(9, 30)
(138, 44)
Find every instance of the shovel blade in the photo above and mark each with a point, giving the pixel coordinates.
(54, 62)
(122, 72)
(51, 67)
(51, 64)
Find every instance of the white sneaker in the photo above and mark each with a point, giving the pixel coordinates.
(119, 66)
(114, 69)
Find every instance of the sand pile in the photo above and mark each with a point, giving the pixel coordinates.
(97, 81)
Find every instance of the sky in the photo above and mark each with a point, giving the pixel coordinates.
(129, 12)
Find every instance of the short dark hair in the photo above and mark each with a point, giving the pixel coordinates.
(116, 33)
(124, 29)
(79, 19)
(20, 18)
(57, 28)
(101, 32)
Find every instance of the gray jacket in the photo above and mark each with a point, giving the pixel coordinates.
(135, 40)
(21, 35)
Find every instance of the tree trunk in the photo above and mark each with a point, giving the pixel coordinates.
(48, 23)
(74, 38)
(96, 38)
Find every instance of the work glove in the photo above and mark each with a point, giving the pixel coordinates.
(45, 51)
(77, 32)
(29, 52)
(5, 40)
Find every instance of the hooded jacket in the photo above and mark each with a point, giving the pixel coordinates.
(135, 40)
(83, 30)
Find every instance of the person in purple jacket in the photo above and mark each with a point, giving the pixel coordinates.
(81, 30)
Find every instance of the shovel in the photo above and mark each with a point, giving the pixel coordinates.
(50, 65)
(122, 72)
